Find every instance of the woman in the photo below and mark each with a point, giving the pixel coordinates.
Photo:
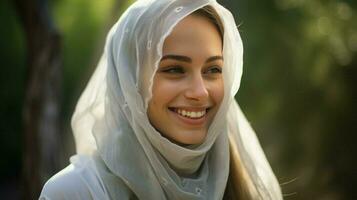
(158, 119)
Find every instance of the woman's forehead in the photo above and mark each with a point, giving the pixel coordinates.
(194, 35)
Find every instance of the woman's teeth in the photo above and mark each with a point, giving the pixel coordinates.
(191, 114)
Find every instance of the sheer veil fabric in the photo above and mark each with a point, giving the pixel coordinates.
(110, 121)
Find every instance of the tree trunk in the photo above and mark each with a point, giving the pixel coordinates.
(41, 112)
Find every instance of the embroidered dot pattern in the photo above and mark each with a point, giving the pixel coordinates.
(149, 44)
(198, 190)
(178, 9)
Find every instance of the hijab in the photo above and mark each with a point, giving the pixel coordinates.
(111, 119)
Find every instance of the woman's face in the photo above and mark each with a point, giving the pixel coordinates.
(188, 85)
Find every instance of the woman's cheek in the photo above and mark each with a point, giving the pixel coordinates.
(165, 90)
(216, 91)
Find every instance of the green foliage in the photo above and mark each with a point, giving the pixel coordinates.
(12, 54)
(297, 89)
(81, 23)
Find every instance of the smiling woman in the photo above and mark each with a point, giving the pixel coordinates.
(158, 119)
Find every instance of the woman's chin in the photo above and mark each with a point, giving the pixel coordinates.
(189, 138)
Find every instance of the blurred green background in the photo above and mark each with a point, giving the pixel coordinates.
(299, 86)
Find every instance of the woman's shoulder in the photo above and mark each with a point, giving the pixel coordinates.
(79, 180)
(66, 184)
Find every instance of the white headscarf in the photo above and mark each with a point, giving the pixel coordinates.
(111, 115)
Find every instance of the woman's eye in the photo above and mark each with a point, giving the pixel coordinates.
(173, 70)
(214, 70)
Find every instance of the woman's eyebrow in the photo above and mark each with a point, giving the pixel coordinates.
(188, 59)
(177, 57)
(213, 58)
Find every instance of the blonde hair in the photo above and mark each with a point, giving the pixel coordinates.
(239, 185)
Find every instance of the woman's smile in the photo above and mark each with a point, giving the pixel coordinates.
(190, 116)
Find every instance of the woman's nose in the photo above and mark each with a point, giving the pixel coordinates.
(196, 89)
